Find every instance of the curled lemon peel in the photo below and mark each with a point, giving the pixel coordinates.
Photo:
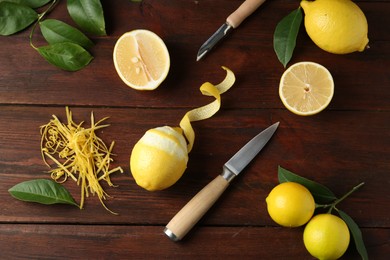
(206, 111)
(81, 155)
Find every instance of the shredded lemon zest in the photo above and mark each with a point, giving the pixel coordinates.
(82, 155)
(206, 111)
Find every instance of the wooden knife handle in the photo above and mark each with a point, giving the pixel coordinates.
(193, 211)
(242, 12)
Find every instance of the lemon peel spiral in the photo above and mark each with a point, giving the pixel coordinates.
(209, 110)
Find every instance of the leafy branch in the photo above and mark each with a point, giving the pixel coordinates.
(333, 205)
(67, 46)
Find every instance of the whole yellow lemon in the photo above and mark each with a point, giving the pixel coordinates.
(326, 237)
(159, 158)
(336, 26)
(290, 204)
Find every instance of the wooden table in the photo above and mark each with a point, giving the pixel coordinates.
(344, 145)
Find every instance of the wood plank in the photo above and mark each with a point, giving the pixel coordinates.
(320, 148)
(148, 242)
(32, 80)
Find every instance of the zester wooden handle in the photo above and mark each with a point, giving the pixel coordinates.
(242, 12)
(193, 211)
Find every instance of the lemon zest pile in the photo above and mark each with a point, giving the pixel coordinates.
(206, 111)
(81, 154)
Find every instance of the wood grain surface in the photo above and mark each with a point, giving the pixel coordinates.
(344, 145)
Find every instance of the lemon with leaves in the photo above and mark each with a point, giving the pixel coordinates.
(290, 204)
(336, 26)
(326, 237)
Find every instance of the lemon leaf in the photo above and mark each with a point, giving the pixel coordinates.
(30, 3)
(42, 191)
(356, 234)
(56, 31)
(320, 192)
(285, 35)
(15, 17)
(88, 15)
(66, 55)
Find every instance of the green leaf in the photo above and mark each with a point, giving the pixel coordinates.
(320, 192)
(56, 31)
(88, 15)
(42, 191)
(285, 35)
(15, 17)
(29, 3)
(66, 55)
(356, 234)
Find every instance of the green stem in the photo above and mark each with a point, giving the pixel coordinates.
(337, 201)
(40, 17)
(347, 194)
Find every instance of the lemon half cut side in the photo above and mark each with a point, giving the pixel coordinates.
(306, 88)
(141, 59)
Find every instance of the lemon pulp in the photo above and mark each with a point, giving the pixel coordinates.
(141, 59)
(306, 88)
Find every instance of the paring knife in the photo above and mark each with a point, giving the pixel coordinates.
(232, 22)
(194, 210)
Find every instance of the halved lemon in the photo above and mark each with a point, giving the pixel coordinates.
(306, 88)
(141, 59)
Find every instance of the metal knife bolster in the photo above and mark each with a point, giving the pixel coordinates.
(221, 33)
(218, 35)
(226, 28)
(227, 173)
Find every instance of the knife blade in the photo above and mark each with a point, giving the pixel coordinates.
(232, 22)
(194, 210)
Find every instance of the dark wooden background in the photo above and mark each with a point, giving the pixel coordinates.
(344, 145)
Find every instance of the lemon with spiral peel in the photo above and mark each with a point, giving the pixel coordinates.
(159, 158)
(336, 26)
